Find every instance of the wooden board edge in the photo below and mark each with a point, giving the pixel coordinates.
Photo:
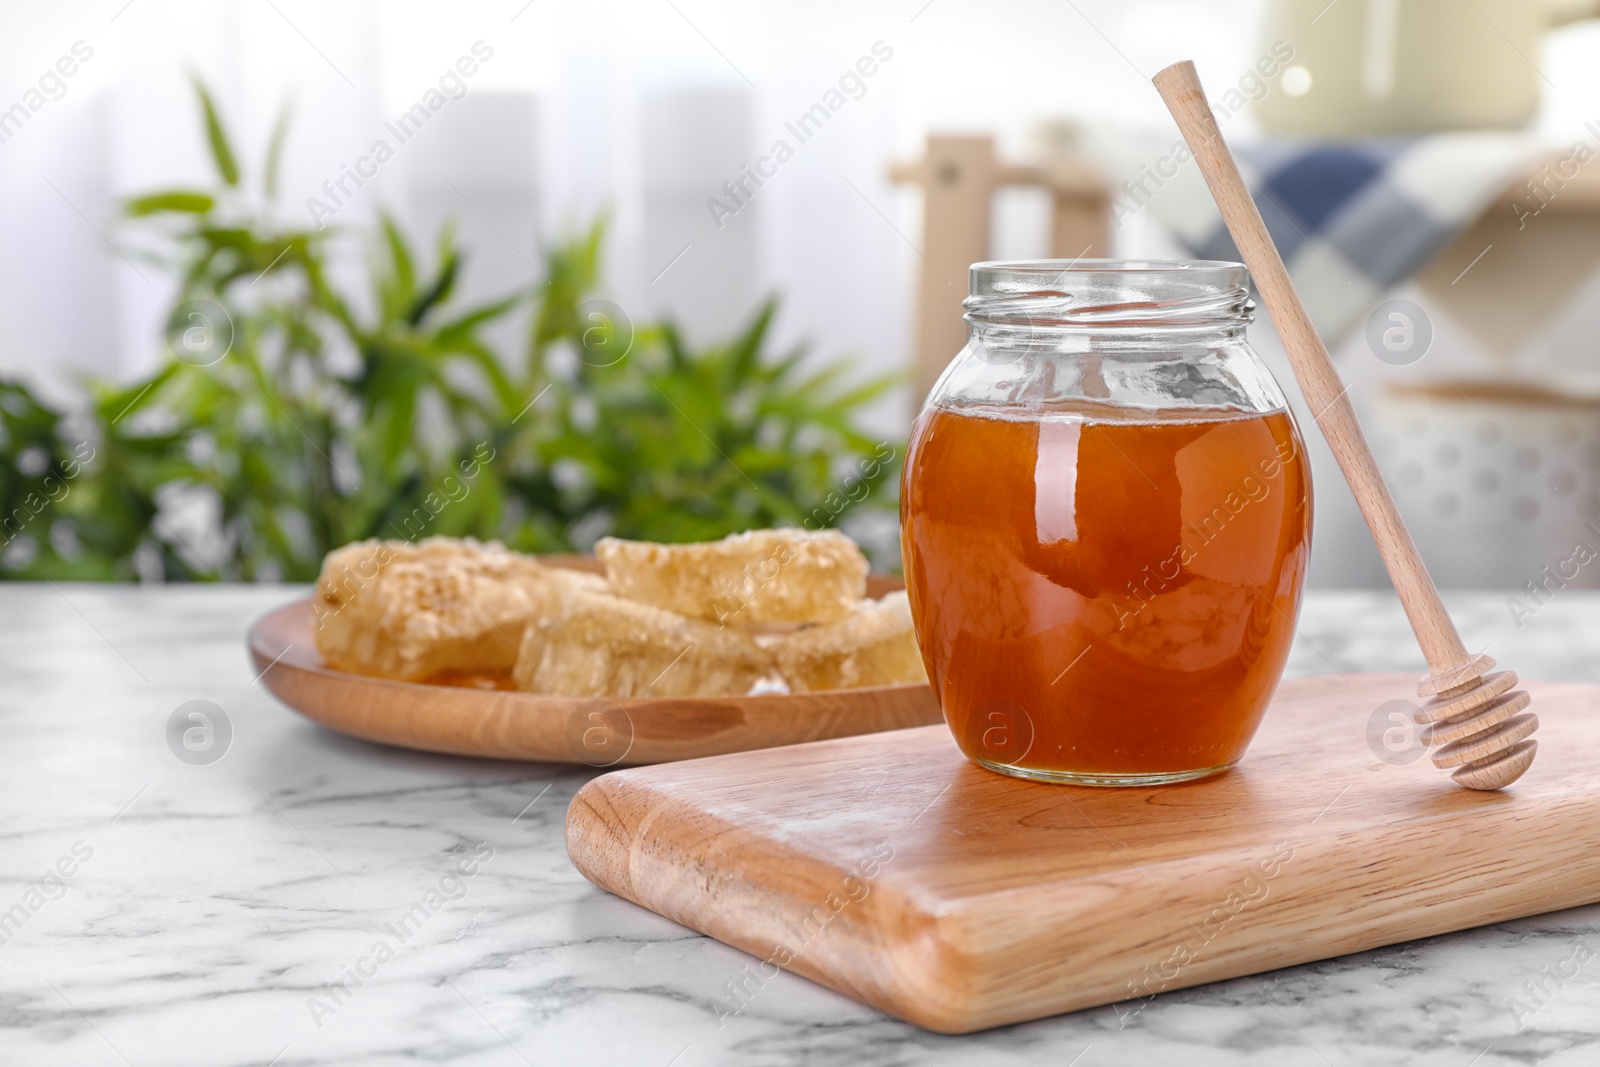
(626, 865)
(1491, 881)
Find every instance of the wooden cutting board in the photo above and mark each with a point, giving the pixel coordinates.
(891, 869)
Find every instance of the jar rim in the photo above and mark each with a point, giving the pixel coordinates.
(1108, 266)
(1109, 294)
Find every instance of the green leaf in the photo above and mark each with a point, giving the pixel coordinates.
(676, 351)
(439, 291)
(280, 130)
(747, 349)
(237, 238)
(405, 271)
(866, 392)
(176, 200)
(465, 324)
(221, 151)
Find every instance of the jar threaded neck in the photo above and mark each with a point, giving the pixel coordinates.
(1105, 295)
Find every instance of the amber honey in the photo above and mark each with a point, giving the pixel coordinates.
(1105, 594)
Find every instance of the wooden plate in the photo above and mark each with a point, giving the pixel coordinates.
(503, 724)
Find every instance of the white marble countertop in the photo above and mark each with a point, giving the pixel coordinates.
(155, 913)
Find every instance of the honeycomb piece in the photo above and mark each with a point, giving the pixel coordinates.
(756, 577)
(441, 606)
(876, 645)
(603, 645)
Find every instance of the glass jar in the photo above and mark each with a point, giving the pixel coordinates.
(1106, 518)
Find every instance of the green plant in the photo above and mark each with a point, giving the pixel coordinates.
(296, 416)
(671, 444)
(39, 471)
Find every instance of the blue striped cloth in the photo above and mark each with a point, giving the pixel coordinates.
(1352, 219)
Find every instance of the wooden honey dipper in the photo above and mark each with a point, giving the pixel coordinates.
(1475, 720)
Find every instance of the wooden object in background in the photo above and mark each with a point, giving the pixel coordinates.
(1080, 209)
(958, 177)
(896, 871)
(506, 724)
(1476, 721)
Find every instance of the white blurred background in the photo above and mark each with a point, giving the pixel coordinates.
(641, 108)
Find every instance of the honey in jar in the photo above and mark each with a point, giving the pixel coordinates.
(1106, 523)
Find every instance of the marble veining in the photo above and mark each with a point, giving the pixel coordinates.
(233, 912)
